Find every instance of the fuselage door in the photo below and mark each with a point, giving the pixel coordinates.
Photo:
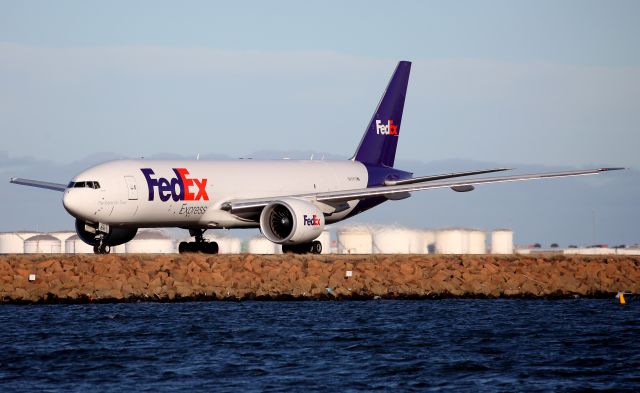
(131, 186)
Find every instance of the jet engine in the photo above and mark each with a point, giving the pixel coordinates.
(115, 237)
(291, 221)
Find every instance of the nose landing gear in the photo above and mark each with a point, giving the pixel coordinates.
(101, 249)
(200, 244)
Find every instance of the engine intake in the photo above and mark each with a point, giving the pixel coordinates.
(291, 221)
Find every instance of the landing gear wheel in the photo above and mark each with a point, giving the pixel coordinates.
(209, 248)
(101, 249)
(289, 249)
(203, 247)
(184, 247)
(316, 247)
(305, 248)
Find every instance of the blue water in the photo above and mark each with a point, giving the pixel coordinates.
(450, 345)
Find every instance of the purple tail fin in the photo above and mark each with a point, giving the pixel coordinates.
(378, 145)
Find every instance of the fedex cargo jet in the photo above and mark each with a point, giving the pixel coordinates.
(290, 201)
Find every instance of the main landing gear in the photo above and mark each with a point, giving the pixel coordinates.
(314, 247)
(200, 245)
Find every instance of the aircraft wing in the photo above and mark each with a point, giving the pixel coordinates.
(442, 177)
(39, 184)
(341, 196)
(335, 198)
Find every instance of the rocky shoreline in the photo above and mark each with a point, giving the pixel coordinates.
(123, 278)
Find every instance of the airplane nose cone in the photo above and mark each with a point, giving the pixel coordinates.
(72, 203)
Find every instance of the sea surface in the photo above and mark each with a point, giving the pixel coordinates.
(335, 346)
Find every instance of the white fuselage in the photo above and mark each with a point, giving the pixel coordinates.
(163, 193)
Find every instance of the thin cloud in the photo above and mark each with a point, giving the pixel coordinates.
(475, 108)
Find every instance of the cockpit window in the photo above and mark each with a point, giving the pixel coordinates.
(84, 184)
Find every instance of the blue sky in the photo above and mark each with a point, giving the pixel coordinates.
(527, 84)
(574, 32)
(523, 82)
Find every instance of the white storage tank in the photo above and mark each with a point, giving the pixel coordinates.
(477, 242)
(227, 244)
(75, 245)
(502, 241)
(62, 236)
(325, 239)
(334, 247)
(261, 245)
(393, 240)
(452, 241)
(354, 240)
(150, 242)
(13, 242)
(42, 244)
(417, 243)
(119, 249)
(423, 241)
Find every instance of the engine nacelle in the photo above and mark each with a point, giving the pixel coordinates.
(115, 237)
(291, 221)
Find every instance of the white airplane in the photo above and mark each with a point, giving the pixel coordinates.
(290, 201)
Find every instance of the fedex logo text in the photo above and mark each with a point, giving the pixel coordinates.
(386, 129)
(311, 221)
(179, 188)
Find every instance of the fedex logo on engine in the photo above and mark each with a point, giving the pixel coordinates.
(386, 129)
(313, 221)
(179, 188)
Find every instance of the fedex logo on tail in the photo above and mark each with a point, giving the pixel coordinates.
(311, 221)
(386, 129)
(179, 188)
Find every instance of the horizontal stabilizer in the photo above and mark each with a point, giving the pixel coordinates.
(39, 184)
